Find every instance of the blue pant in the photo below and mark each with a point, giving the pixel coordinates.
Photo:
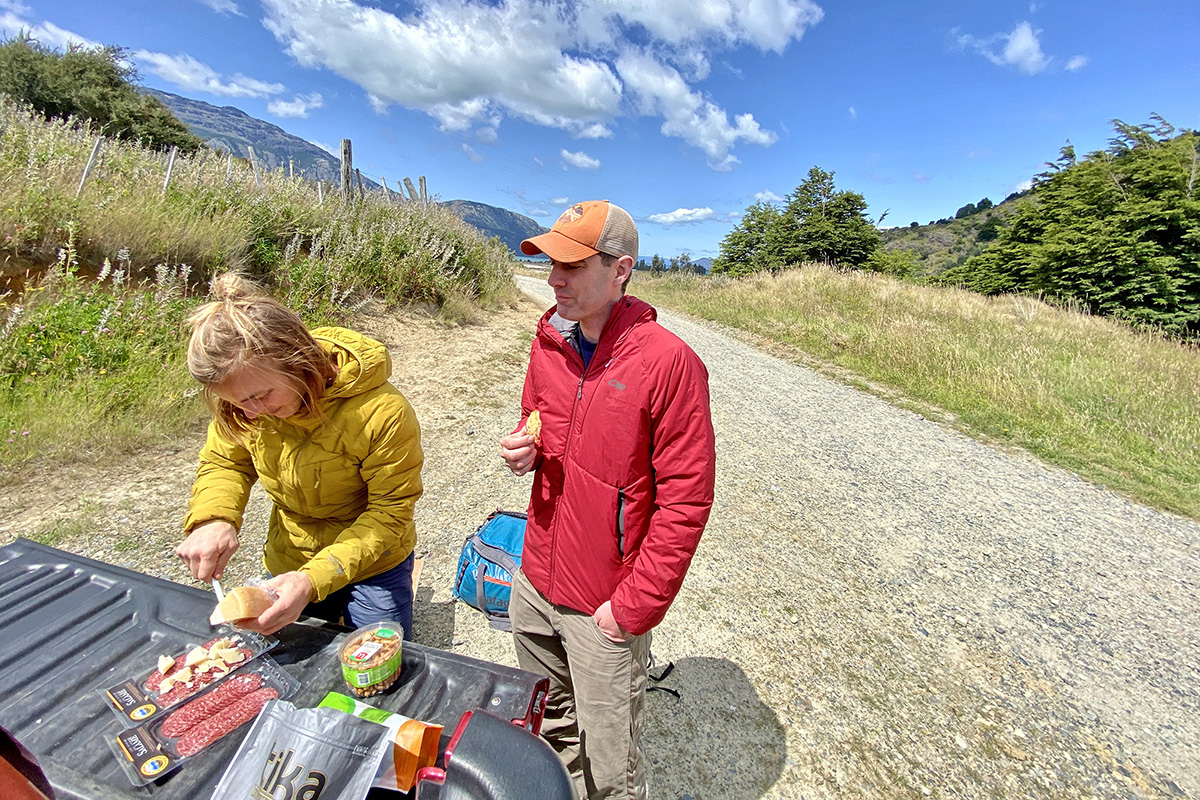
(386, 596)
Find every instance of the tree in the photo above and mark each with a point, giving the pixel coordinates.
(824, 225)
(965, 211)
(747, 248)
(90, 84)
(685, 262)
(656, 264)
(1118, 231)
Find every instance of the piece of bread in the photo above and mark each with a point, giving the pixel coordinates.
(533, 426)
(240, 604)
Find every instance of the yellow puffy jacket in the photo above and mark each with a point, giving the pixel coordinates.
(344, 487)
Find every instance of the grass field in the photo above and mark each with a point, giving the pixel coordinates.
(1118, 406)
(98, 275)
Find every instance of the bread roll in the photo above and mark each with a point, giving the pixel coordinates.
(533, 426)
(240, 604)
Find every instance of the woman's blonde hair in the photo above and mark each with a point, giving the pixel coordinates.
(243, 326)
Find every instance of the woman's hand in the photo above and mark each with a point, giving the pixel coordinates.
(294, 590)
(208, 548)
(518, 451)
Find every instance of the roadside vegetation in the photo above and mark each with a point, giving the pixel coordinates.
(95, 286)
(1118, 405)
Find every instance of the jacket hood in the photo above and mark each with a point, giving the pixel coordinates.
(363, 363)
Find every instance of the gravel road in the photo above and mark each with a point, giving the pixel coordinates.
(880, 607)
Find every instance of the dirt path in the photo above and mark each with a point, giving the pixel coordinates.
(880, 608)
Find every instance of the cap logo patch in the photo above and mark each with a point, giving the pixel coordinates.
(571, 214)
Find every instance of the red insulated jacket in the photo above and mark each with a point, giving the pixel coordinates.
(624, 480)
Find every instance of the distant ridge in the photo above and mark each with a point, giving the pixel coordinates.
(509, 226)
(231, 129)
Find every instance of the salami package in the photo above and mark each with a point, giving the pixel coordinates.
(157, 747)
(414, 743)
(305, 753)
(183, 674)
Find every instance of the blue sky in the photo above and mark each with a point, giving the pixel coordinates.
(685, 112)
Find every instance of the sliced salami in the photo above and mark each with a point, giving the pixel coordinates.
(204, 707)
(225, 721)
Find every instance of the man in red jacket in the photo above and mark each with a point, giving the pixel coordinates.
(623, 485)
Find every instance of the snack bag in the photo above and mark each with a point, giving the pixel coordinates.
(414, 743)
(305, 752)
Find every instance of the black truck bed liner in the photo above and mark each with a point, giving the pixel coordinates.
(70, 626)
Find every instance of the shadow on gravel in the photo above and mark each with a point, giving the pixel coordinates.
(433, 623)
(717, 740)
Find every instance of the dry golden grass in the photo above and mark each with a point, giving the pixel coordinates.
(1119, 406)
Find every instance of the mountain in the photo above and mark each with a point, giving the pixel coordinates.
(508, 226)
(228, 128)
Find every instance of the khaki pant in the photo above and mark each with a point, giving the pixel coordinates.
(597, 692)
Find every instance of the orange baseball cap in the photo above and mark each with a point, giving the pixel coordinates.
(584, 229)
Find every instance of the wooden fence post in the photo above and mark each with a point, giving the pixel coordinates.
(347, 170)
(88, 168)
(229, 168)
(320, 196)
(412, 191)
(170, 167)
(386, 194)
(424, 197)
(291, 172)
(361, 194)
(254, 166)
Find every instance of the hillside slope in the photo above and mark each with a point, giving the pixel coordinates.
(508, 226)
(229, 128)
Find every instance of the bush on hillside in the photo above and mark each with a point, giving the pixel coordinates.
(89, 85)
(1117, 231)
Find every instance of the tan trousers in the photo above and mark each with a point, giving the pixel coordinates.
(594, 713)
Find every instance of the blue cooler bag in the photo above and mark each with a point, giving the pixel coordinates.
(489, 558)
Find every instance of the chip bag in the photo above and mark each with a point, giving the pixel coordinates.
(305, 752)
(414, 743)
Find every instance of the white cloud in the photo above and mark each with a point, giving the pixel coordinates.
(297, 107)
(188, 73)
(579, 160)
(560, 59)
(15, 19)
(559, 201)
(223, 7)
(1021, 48)
(474, 155)
(767, 196)
(328, 148)
(1077, 63)
(661, 91)
(853, 113)
(682, 216)
(1024, 186)
(487, 135)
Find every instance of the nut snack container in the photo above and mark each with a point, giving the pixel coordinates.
(371, 658)
(152, 749)
(184, 674)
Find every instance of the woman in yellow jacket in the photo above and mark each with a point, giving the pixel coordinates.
(312, 417)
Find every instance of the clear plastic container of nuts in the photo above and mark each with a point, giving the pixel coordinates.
(371, 658)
